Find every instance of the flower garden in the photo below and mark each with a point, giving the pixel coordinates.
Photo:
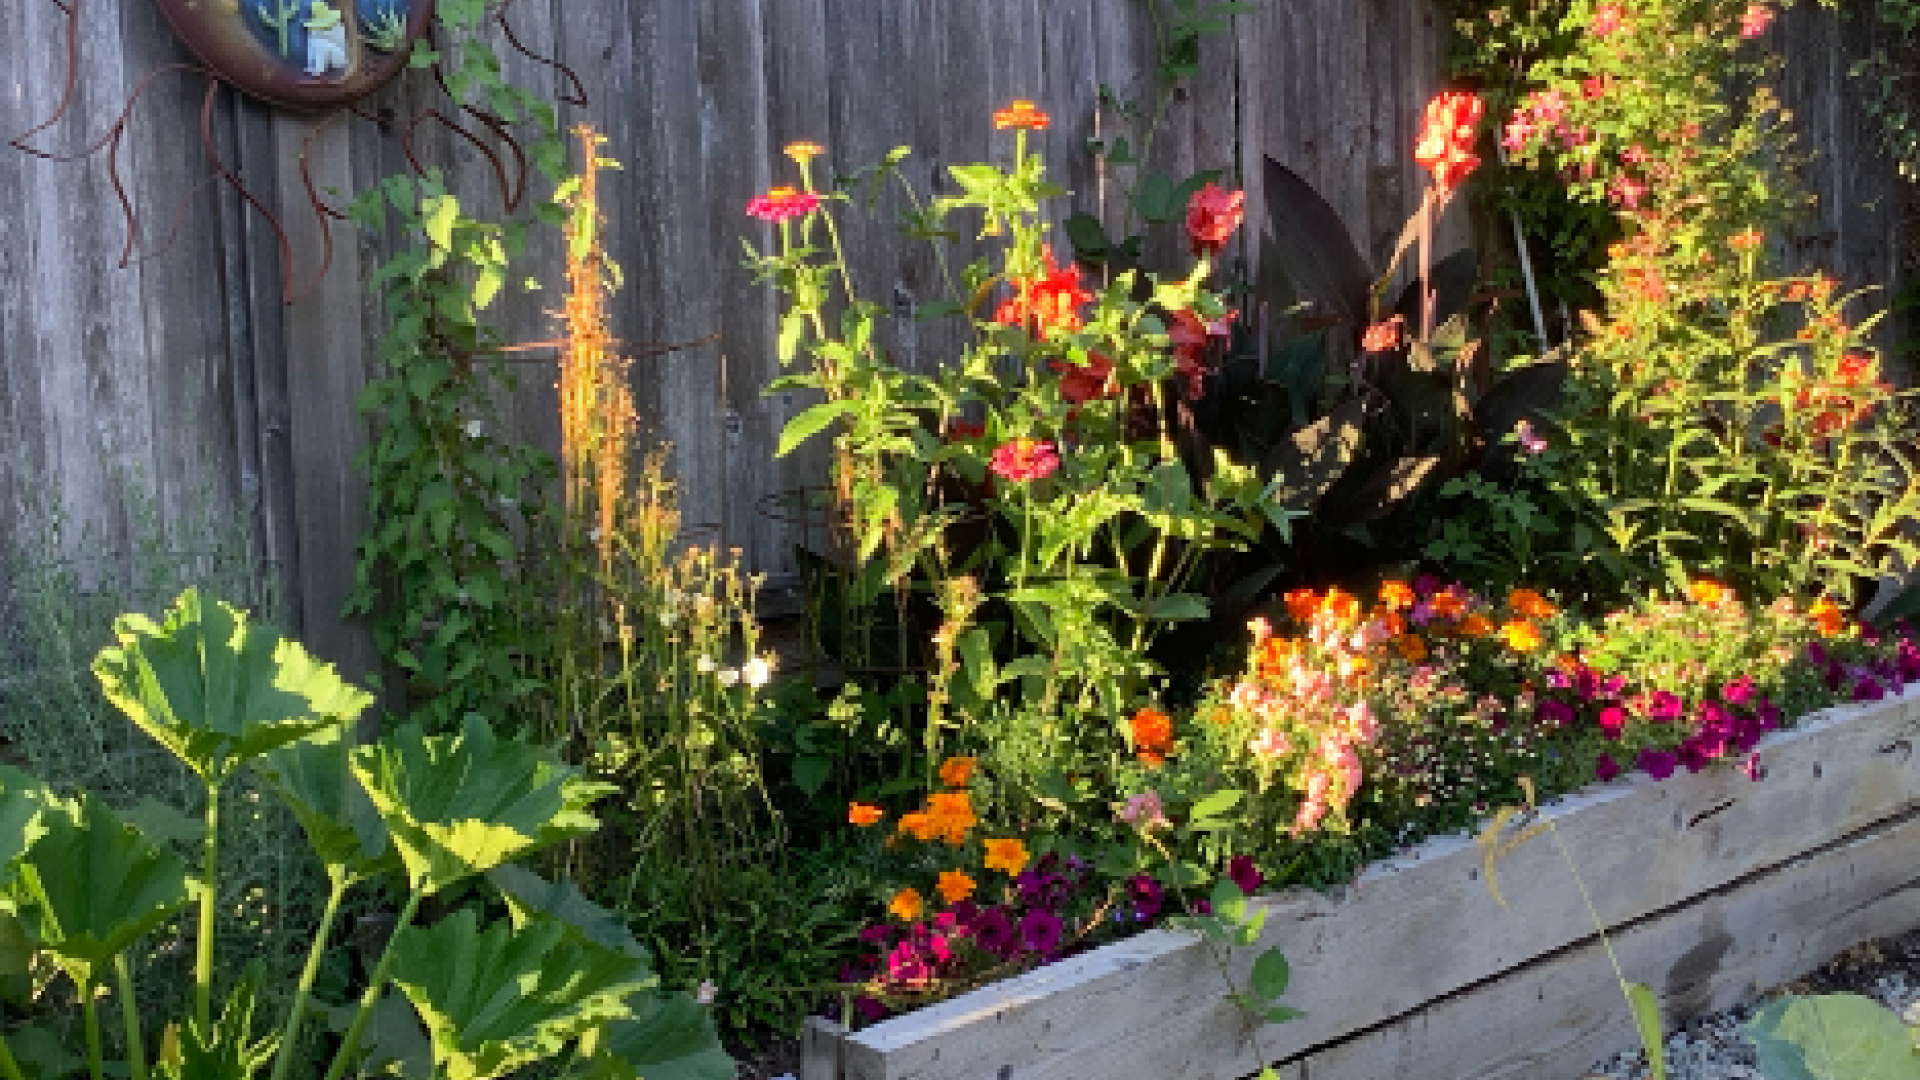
(1182, 581)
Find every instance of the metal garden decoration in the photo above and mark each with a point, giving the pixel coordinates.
(302, 54)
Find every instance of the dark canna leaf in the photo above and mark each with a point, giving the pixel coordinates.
(1314, 247)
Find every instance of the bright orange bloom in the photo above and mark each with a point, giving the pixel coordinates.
(863, 814)
(954, 886)
(1152, 735)
(907, 905)
(951, 814)
(1531, 604)
(1047, 302)
(1009, 856)
(803, 151)
(1301, 604)
(919, 826)
(1392, 624)
(1445, 145)
(956, 771)
(1340, 605)
(1522, 636)
(1396, 595)
(1705, 591)
(1827, 618)
(1448, 605)
(1476, 626)
(1022, 114)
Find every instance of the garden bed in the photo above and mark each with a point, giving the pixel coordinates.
(1712, 884)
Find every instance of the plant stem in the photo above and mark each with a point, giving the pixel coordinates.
(96, 1066)
(9, 1068)
(209, 908)
(337, 885)
(350, 1043)
(130, 1017)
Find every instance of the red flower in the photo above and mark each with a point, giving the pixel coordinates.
(1022, 114)
(782, 203)
(1048, 302)
(1212, 215)
(1382, 337)
(1445, 146)
(1191, 337)
(1025, 459)
(1607, 19)
(1081, 383)
(1756, 20)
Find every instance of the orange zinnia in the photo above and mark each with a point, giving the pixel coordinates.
(1531, 604)
(1022, 114)
(907, 905)
(955, 771)
(954, 886)
(863, 814)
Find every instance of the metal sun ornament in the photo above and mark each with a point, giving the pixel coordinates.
(307, 55)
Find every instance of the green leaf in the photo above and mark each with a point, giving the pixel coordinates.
(810, 423)
(1271, 974)
(1646, 1018)
(1088, 236)
(217, 691)
(458, 805)
(439, 212)
(1175, 606)
(1216, 804)
(229, 1051)
(1832, 1037)
(314, 779)
(42, 1056)
(810, 772)
(96, 885)
(669, 1037)
(529, 896)
(499, 998)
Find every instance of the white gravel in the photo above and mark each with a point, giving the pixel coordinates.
(1713, 1047)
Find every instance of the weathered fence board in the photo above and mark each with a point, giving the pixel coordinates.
(1392, 969)
(185, 369)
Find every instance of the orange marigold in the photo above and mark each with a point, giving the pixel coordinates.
(1396, 595)
(1152, 735)
(1531, 604)
(1476, 626)
(1522, 636)
(919, 826)
(1008, 856)
(1826, 617)
(907, 905)
(956, 771)
(864, 814)
(954, 886)
(1448, 605)
(1022, 114)
(1706, 591)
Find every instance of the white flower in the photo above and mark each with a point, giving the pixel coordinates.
(729, 676)
(757, 672)
(705, 665)
(474, 429)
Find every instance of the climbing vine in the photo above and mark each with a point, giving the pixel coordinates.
(439, 567)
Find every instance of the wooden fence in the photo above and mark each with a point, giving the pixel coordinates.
(188, 368)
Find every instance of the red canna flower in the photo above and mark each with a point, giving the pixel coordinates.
(783, 203)
(1212, 215)
(1445, 145)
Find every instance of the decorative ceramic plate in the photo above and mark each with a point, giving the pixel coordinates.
(309, 55)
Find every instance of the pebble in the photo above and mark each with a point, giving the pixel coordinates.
(1714, 1048)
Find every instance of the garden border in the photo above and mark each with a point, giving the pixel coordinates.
(1712, 885)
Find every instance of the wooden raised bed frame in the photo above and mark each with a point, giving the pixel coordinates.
(1711, 885)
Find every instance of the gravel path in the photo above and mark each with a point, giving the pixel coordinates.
(1713, 1048)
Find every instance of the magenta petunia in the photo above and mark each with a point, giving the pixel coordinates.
(1658, 764)
(1605, 767)
(1146, 894)
(1664, 705)
(1612, 721)
(1244, 874)
(1553, 713)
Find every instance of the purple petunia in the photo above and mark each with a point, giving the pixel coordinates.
(1658, 763)
(1147, 896)
(994, 931)
(1244, 874)
(1553, 713)
(1040, 932)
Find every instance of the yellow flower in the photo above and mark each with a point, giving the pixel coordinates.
(1522, 636)
(907, 905)
(955, 771)
(954, 886)
(1826, 617)
(1009, 856)
(802, 152)
(1709, 592)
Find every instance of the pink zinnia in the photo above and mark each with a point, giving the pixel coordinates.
(1212, 215)
(783, 203)
(1756, 20)
(1025, 459)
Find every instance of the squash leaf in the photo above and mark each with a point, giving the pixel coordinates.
(313, 778)
(1832, 1037)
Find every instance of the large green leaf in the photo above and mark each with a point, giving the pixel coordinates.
(1832, 1037)
(314, 779)
(95, 885)
(530, 896)
(458, 805)
(216, 690)
(669, 1037)
(499, 998)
